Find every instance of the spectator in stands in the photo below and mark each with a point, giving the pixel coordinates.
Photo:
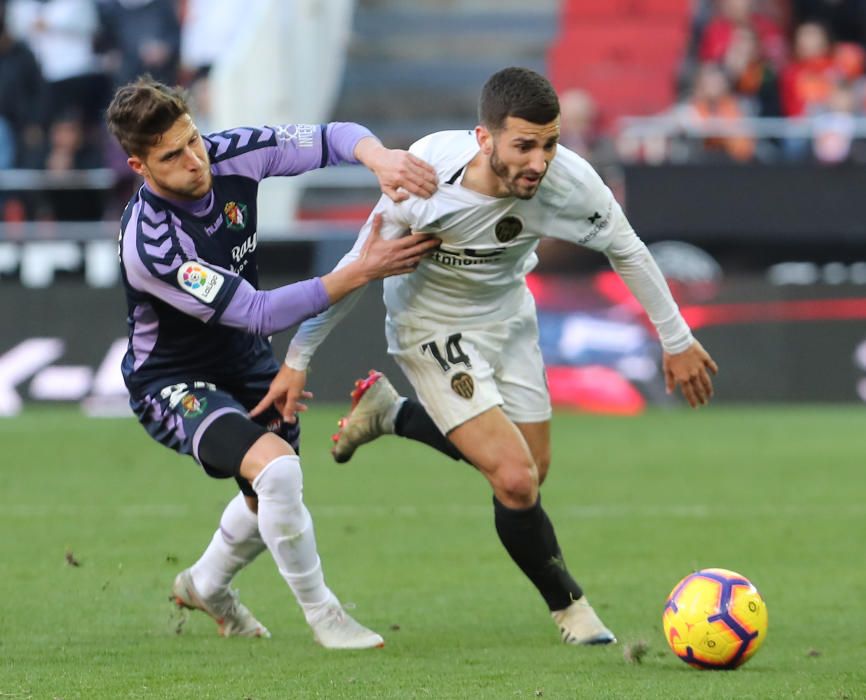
(735, 14)
(807, 80)
(752, 76)
(580, 130)
(70, 150)
(21, 96)
(61, 34)
(713, 105)
(833, 130)
(846, 19)
(146, 36)
(578, 122)
(849, 59)
(142, 37)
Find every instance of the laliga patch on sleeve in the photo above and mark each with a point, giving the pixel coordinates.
(200, 281)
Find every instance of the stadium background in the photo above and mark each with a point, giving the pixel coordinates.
(748, 190)
(756, 220)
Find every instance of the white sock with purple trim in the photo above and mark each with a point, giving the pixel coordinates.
(234, 545)
(287, 529)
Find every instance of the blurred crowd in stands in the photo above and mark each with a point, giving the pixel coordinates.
(796, 59)
(761, 81)
(60, 62)
(798, 62)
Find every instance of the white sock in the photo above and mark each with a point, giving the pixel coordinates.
(234, 545)
(287, 529)
(391, 419)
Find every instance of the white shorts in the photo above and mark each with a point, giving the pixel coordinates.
(460, 373)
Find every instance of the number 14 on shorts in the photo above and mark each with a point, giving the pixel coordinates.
(453, 354)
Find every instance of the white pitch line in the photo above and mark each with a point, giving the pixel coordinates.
(601, 511)
(588, 512)
(71, 510)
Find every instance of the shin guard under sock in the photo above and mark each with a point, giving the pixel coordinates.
(527, 534)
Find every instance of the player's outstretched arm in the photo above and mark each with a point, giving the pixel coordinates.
(399, 172)
(378, 258)
(375, 259)
(690, 370)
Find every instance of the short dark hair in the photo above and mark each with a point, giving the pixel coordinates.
(142, 111)
(517, 92)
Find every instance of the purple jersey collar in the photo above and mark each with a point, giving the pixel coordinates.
(196, 207)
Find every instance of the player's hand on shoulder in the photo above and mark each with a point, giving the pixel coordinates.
(399, 172)
(691, 370)
(285, 394)
(398, 256)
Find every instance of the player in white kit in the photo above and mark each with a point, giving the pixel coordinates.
(463, 326)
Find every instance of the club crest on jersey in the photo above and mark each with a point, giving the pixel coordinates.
(508, 229)
(200, 281)
(236, 214)
(463, 385)
(193, 407)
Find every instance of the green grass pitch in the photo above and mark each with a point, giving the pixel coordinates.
(778, 494)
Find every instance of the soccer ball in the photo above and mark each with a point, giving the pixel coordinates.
(715, 619)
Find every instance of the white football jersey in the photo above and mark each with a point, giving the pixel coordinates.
(478, 275)
(488, 243)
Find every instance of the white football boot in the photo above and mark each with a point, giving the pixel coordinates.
(232, 617)
(578, 624)
(334, 628)
(374, 408)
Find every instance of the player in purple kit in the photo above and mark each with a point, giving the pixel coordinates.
(199, 357)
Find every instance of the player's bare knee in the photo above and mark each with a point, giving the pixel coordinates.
(517, 487)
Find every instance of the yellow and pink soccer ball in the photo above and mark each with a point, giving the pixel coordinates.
(715, 619)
